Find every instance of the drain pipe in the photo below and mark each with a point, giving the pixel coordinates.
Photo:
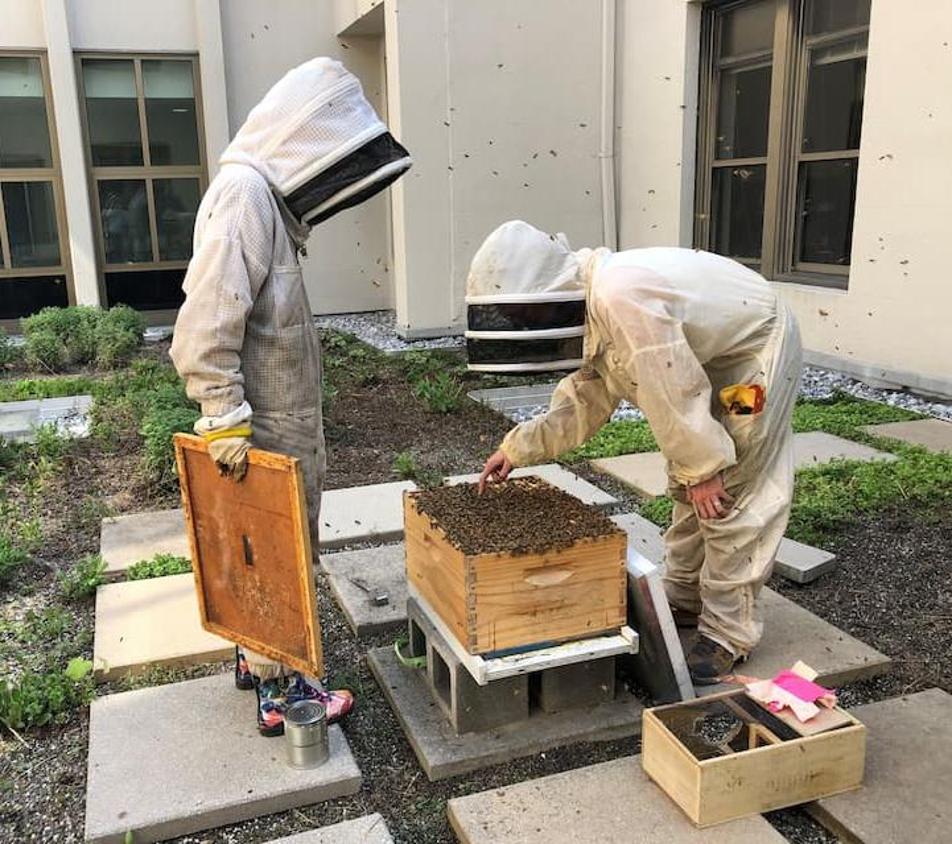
(606, 152)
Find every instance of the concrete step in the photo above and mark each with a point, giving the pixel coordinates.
(609, 803)
(124, 540)
(380, 570)
(933, 434)
(646, 473)
(370, 829)
(372, 513)
(146, 623)
(905, 795)
(178, 759)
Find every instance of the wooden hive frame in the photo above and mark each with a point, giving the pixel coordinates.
(251, 554)
(502, 601)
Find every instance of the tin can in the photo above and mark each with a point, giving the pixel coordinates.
(305, 734)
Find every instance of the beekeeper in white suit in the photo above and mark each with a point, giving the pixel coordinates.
(245, 340)
(703, 346)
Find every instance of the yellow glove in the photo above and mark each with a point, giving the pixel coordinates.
(229, 449)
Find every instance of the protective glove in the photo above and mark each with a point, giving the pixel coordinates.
(229, 449)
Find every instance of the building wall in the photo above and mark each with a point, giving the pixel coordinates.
(22, 24)
(499, 103)
(892, 321)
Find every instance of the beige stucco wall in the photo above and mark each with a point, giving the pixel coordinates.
(348, 264)
(21, 24)
(498, 101)
(893, 319)
(133, 25)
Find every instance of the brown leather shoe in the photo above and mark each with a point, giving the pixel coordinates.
(683, 618)
(709, 663)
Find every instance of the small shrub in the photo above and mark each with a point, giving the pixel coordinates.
(45, 388)
(36, 699)
(12, 556)
(82, 580)
(9, 353)
(404, 466)
(49, 443)
(161, 565)
(440, 393)
(158, 426)
(118, 335)
(45, 350)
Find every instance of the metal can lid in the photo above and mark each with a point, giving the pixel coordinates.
(305, 713)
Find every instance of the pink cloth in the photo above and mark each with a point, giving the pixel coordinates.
(789, 690)
(800, 687)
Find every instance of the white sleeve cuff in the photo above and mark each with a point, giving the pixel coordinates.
(239, 416)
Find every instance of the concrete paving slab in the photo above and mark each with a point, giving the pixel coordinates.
(802, 563)
(792, 632)
(181, 758)
(377, 570)
(443, 754)
(357, 514)
(643, 535)
(817, 447)
(933, 434)
(557, 476)
(905, 795)
(609, 803)
(646, 473)
(145, 623)
(124, 540)
(508, 399)
(370, 829)
(70, 415)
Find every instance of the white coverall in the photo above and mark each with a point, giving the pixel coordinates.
(667, 329)
(245, 341)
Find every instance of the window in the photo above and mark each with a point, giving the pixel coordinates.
(33, 271)
(779, 129)
(143, 130)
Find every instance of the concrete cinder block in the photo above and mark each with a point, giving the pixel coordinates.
(469, 707)
(583, 685)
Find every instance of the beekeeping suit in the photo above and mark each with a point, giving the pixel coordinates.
(245, 340)
(671, 330)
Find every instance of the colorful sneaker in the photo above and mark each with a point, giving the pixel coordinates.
(243, 679)
(337, 703)
(272, 701)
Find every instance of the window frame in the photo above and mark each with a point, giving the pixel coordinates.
(788, 92)
(52, 175)
(146, 171)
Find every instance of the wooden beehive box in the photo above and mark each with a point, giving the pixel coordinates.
(767, 765)
(505, 600)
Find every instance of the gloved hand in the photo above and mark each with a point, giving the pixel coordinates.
(229, 450)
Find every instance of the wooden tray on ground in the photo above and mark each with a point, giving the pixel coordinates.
(757, 765)
(251, 554)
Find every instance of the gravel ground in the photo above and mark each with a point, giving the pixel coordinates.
(378, 328)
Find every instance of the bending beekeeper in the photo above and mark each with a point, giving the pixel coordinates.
(703, 346)
(245, 340)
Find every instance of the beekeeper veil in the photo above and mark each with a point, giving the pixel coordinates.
(525, 303)
(318, 142)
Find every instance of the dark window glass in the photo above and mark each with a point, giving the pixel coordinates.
(123, 205)
(112, 112)
(176, 201)
(834, 15)
(523, 317)
(20, 297)
(170, 111)
(743, 113)
(31, 224)
(748, 29)
(826, 194)
(523, 351)
(24, 131)
(834, 108)
(737, 210)
(146, 290)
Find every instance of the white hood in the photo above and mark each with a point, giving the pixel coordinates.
(318, 142)
(525, 298)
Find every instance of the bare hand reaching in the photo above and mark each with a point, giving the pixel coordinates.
(497, 469)
(710, 499)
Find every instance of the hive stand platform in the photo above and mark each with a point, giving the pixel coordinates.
(526, 704)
